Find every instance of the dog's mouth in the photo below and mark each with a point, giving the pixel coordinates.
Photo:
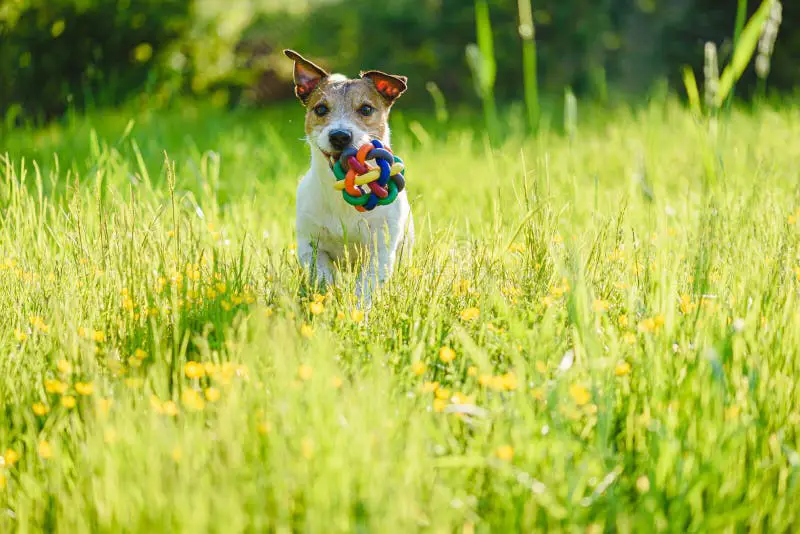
(332, 157)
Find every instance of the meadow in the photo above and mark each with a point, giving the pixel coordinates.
(599, 330)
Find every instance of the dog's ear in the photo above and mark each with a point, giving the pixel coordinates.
(389, 86)
(307, 75)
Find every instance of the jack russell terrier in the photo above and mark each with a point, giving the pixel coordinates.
(342, 113)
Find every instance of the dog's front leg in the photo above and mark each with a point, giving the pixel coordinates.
(380, 262)
(316, 261)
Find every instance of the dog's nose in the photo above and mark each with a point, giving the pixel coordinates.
(340, 139)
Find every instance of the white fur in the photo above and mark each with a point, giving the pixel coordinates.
(330, 231)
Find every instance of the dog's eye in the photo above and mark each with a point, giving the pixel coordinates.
(366, 110)
(321, 110)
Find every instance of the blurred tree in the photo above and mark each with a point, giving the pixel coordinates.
(57, 52)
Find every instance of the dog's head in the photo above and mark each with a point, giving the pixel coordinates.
(341, 112)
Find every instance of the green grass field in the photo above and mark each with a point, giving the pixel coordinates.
(598, 332)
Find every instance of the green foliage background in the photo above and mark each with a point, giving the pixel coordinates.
(55, 54)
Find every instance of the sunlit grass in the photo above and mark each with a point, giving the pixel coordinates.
(588, 335)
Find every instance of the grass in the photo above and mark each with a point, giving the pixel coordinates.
(593, 336)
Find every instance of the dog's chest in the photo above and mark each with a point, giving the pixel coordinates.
(336, 233)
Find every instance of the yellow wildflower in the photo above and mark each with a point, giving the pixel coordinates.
(38, 323)
(509, 381)
(446, 354)
(336, 382)
(418, 368)
(109, 436)
(99, 336)
(439, 405)
(10, 457)
(305, 372)
(194, 370)
(68, 402)
(579, 394)
(472, 371)
(622, 369)
(316, 308)
(84, 388)
(470, 314)
(20, 335)
(192, 400)
(170, 408)
(600, 306)
(307, 448)
(442, 393)
(45, 450)
(357, 316)
(306, 331)
(55, 386)
(64, 367)
(505, 453)
(429, 387)
(212, 394)
(629, 338)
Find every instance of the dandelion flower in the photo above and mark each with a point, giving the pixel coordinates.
(629, 338)
(192, 400)
(509, 381)
(170, 408)
(472, 371)
(470, 314)
(64, 367)
(505, 453)
(447, 355)
(622, 369)
(194, 370)
(212, 394)
(429, 387)
(99, 336)
(68, 402)
(20, 335)
(110, 436)
(10, 457)
(579, 394)
(357, 316)
(45, 450)
(307, 448)
(305, 372)
(306, 331)
(418, 368)
(316, 308)
(442, 393)
(439, 405)
(84, 388)
(55, 386)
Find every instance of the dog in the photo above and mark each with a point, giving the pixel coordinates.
(343, 113)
